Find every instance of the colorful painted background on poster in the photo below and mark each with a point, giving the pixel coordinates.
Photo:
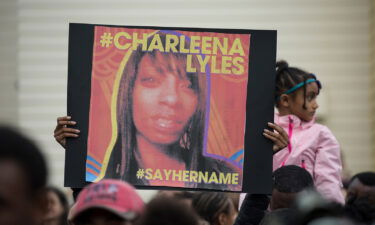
(168, 107)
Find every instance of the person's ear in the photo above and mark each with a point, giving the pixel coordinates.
(284, 100)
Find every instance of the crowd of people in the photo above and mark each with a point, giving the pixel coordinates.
(26, 198)
(307, 184)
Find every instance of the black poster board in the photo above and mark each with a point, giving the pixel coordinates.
(84, 62)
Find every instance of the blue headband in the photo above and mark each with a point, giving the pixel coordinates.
(300, 85)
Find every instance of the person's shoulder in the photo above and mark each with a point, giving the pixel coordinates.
(325, 134)
(323, 129)
(317, 127)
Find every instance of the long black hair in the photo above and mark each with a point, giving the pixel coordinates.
(122, 161)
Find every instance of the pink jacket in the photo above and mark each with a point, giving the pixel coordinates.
(313, 147)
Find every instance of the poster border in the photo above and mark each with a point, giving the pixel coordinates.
(260, 93)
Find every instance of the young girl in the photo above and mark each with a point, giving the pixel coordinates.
(311, 146)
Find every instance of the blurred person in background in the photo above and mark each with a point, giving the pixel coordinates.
(108, 202)
(183, 196)
(169, 209)
(360, 198)
(215, 208)
(288, 181)
(309, 208)
(361, 185)
(284, 216)
(23, 177)
(235, 197)
(57, 207)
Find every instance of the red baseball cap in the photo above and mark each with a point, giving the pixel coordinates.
(115, 196)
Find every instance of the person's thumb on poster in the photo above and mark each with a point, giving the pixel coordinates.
(62, 131)
(278, 136)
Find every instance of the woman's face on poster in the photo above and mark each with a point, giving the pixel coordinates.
(163, 99)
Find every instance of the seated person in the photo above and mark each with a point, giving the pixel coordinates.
(184, 196)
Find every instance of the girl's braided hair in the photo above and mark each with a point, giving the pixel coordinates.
(287, 77)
